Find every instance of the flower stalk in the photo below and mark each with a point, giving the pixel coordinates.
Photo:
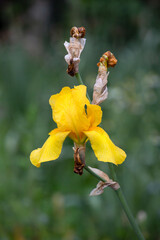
(79, 79)
(79, 119)
(121, 198)
(118, 192)
(125, 206)
(74, 48)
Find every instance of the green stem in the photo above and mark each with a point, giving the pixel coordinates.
(119, 192)
(122, 199)
(125, 206)
(79, 79)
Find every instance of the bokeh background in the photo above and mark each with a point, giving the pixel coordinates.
(52, 202)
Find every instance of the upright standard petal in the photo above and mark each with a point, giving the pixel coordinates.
(94, 114)
(68, 109)
(103, 147)
(51, 148)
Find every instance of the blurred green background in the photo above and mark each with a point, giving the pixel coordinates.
(52, 202)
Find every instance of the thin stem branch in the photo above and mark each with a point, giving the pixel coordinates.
(125, 206)
(122, 199)
(79, 79)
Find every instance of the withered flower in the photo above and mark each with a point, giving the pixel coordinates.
(78, 32)
(100, 92)
(102, 185)
(74, 49)
(79, 158)
(108, 60)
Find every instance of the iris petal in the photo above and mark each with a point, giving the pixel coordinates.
(94, 114)
(103, 147)
(68, 109)
(51, 148)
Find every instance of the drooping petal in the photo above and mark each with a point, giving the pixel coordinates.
(94, 114)
(68, 109)
(51, 148)
(104, 148)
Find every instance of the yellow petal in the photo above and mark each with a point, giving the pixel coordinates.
(103, 147)
(51, 148)
(94, 114)
(68, 109)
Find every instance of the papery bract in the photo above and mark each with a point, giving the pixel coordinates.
(74, 49)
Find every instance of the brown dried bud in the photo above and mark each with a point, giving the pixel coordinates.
(107, 60)
(78, 32)
(79, 159)
(111, 60)
(100, 92)
(74, 48)
(74, 32)
(71, 69)
(82, 32)
(102, 60)
(102, 185)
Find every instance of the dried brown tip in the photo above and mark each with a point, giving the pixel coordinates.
(108, 60)
(82, 32)
(78, 32)
(112, 61)
(71, 69)
(79, 159)
(74, 32)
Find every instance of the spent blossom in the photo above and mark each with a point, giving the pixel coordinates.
(100, 92)
(74, 48)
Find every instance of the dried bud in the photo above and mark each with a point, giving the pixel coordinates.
(74, 32)
(82, 32)
(107, 60)
(73, 67)
(78, 32)
(79, 159)
(74, 49)
(101, 185)
(112, 61)
(100, 92)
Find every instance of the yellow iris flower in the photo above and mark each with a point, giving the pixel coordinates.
(77, 118)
